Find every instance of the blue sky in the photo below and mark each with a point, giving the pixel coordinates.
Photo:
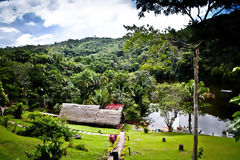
(47, 21)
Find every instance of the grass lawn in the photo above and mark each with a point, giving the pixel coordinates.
(97, 148)
(12, 146)
(150, 146)
(93, 129)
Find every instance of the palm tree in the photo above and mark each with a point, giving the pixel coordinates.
(101, 98)
(202, 92)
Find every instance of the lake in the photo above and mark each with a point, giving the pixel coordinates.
(217, 116)
(208, 123)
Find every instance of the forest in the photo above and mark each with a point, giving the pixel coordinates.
(126, 70)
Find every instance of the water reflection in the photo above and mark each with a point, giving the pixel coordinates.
(207, 123)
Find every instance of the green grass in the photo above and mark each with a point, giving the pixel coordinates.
(97, 147)
(12, 146)
(143, 146)
(93, 129)
(150, 146)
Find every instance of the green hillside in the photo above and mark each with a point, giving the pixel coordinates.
(125, 70)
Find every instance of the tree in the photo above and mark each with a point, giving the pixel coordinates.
(214, 7)
(101, 97)
(171, 100)
(3, 99)
(87, 81)
(203, 93)
(173, 7)
(142, 85)
(150, 43)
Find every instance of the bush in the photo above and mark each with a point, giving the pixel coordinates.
(145, 129)
(81, 147)
(48, 126)
(51, 131)
(16, 110)
(33, 115)
(200, 153)
(112, 138)
(4, 120)
(14, 128)
(132, 113)
(50, 150)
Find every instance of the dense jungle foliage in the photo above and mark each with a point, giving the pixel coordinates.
(124, 70)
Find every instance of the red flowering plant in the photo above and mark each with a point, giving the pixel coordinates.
(179, 128)
(112, 138)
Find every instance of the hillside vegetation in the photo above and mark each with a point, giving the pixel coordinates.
(125, 70)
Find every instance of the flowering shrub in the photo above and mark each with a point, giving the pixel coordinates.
(112, 138)
(179, 128)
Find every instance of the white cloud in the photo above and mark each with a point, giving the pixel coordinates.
(8, 29)
(31, 24)
(87, 18)
(30, 39)
(83, 18)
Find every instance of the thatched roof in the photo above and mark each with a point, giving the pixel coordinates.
(90, 114)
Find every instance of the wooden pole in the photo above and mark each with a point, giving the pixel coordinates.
(195, 95)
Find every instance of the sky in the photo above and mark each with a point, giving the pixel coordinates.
(41, 22)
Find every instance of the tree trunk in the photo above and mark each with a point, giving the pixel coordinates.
(169, 128)
(195, 100)
(3, 110)
(189, 122)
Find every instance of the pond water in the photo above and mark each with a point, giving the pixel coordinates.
(209, 124)
(221, 107)
(217, 116)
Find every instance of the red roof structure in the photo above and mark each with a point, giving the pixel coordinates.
(114, 106)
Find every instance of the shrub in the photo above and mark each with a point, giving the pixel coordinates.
(81, 147)
(112, 138)
(4, 120)
(34, 115)
(50, 150)
(14, 127)
(145, 129)
(48, 126)
(53, 130)
(16, 110)
(200, 153)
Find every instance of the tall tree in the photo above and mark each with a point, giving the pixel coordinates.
(214, 8)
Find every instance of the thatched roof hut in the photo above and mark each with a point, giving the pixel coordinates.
(90, 114)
